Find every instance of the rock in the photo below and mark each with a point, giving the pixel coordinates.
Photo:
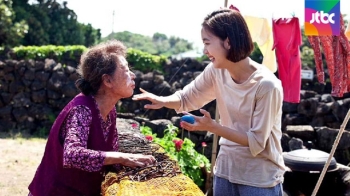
(37, 85)
(56, 81)
(326, 137)
(304, 132)
(290, 107)
(308, 106)
(295, 144)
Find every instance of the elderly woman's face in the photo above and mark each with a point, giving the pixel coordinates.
(123, 79)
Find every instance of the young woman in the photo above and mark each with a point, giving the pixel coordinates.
(249, 98)
(83, 140)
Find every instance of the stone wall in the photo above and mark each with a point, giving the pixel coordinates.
(32, 93)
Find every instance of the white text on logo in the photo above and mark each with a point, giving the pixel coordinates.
(322, 17)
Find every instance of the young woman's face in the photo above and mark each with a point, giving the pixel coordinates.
(122, 80)
(214, 48)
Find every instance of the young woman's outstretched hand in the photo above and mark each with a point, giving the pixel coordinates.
(157, 103)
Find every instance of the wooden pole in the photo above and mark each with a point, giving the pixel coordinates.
(210, 177)
(215, 140)
(335, 144)
(215, 143)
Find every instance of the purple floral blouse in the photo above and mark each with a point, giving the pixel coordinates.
(74, 135)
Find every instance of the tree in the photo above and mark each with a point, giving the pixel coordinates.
(256, 55)
(306, 52)
(158, 44)
(159, 37)
(10, 32)
(91, 35)
(53, 23)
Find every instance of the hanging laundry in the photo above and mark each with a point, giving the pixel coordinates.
(337, 54)
(345, 52)
(347, 32)
(261, 33)
(287, 40)
(315, 44)
(327, 46)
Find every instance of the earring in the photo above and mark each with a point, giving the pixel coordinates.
(227, 44)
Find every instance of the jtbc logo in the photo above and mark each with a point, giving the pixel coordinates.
(324, 17)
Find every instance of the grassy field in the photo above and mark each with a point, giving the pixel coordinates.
(19, 159)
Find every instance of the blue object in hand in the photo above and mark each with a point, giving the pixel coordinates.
(188, 118)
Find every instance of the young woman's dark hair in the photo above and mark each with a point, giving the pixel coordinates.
(227, 23)
(98, 60)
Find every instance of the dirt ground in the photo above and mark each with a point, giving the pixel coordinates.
(19, 158)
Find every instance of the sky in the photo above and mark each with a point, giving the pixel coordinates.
(180, 18)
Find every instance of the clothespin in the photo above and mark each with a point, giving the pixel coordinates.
(232, 7)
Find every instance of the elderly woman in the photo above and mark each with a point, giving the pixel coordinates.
(83, 140)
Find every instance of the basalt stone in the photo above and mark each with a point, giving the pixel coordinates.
(58, 67)
(6, 113)
(9, 77)
(148, 76)
(163, 89)
(39, 66)
(37, 85)
(10, 66)
(42, 76)
(26, 83)
(69, 90)
(40, 111)
(53, 94)
(21, 71)
(69, 70)
(6, 125)
(323, 108)
(307, 94)
(3, 86)
(308, 106)
(158, 79)
(74, 77)
(39, 96)
(285, 142)
(16, 86)
(49, 64)
(20, 114)
(21, 100)
(2, 64)
(326, 98)
(146, 84)
(6, 98)
(56, 81)
(290, 107)
(304, 132)
(29, 74)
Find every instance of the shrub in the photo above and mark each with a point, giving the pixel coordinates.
(182, 151)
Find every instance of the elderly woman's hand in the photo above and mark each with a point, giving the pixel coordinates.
(137, 160)
(128, 159)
